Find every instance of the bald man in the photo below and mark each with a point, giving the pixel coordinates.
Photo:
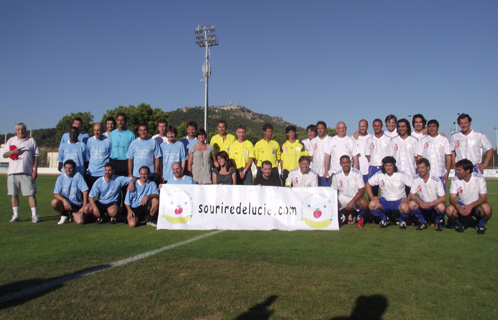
(99, 147)
(340, 145)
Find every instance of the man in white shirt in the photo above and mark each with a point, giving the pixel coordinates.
(302, 176)
(404, 149)
(469, 196)
(392, 185)
(23, 170)
(311, 133)
(350, 191)
(391, 121)
(436, 148)
(377, 148)
(467, 144)
(340, 145)
(317, 152)
(361, 144)
(427, 195)
(419, 129)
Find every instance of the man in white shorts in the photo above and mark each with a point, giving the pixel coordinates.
(302, 176)
(340, 145)
(23, 170)
(427, 195)
(350, 192)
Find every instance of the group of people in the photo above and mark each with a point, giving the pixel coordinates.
(114, 169)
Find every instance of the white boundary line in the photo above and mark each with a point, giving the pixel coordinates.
(90, 271)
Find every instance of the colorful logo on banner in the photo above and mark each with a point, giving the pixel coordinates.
(316, 211)
(179, 209)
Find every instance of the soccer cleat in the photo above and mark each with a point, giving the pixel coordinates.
(439, 226)
(112, 220)
(62, 220)
(459, 228)
(343, 219)
(14, 219)
(421, 227)
(361, 223)
(100, 221)
(481, 230)
(402, 225)
(34, 218)
(383, 224)
(151, 223)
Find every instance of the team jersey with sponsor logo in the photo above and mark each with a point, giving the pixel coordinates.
(143, 153)
(405, 151)
(418, 136)
(240, 152)
(267, 151)
(171, 153)
(345, 146)
(392, 187)
(391, 135)
(361, 145)
(298, 180)
(469, 146)
(427, 191)
(141, 190)
(109, 191)
(435, 150)
(318, 149)
(100, 153)
(71, 188)
(348, 185)
(78, 152)
(291, 152)
(468, 192)
(222, 144)
(377, 149)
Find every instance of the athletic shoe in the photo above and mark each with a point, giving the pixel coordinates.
(402, 225)
(14, 219)
(34, 218)
(439, 226)
(361, 223)
(100, 220)
(459, 229)
(62, 220)
(383, 224)
(343, 219)
(481, 230)
(421, 227)
(151, 223)
(112, 220)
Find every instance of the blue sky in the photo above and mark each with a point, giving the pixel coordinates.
(302, 60)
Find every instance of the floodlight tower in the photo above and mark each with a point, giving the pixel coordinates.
(205, 37)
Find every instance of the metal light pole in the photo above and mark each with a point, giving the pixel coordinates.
(206, 40)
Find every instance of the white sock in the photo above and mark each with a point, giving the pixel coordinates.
(15, 211)
(33, 211)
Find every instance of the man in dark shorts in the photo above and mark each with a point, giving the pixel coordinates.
(120, 140)
(267, 177)
(143, 202)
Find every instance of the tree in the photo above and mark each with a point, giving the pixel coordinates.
(135, 115)
(65, 123)
(182, 130)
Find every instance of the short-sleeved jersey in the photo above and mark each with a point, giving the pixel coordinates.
(109, 191)
(392, 187)
(71, 188)
(318, 150)
(391, 135)
(24, 161)
(241, 152)
(291, 152)
(172, 152)
(188, 143)
(222, 144)
(377, 149)
(405, 152)
(100, 153)
(120, 141)
(348, 185)
(133, 198)
(298, 179)
(82, 137)
(418, 136)
(468, 192)
(267, 150)
(469, 146)
(435, 149)
(185, 180)
(428, 191)
(143, 153)
(345, 146)
(361, 144)
(159, 139)
(78, 152)
(307, 144)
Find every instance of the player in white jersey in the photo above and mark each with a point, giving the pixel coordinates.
(110, 124)
(391, 131)
(404, 149)
(427, 195)
(467, 144)
(302, 176)
(469, 196)
(311, 133)
(377, 148)
(340, 145)
(317, 153)
(436, 148)
(392, 185)
(419, 129)
(361, 143)
(350, 191)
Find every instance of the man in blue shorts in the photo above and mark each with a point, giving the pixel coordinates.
(143, 202)
(121, 138)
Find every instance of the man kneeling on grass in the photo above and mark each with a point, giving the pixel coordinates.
(108, 191)
(71, 194)
(392, 184)
(143, 202)
(468, 196)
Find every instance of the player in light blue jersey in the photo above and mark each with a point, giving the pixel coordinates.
(178, 176)
(143, 202)
(82, 136)
(172, 151)
(74, 150)
(144, 151)
(70, 194)
(189, 141)
(99, 148)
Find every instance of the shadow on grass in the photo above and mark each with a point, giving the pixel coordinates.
(367, 308)
(19, 292)
(259, 311)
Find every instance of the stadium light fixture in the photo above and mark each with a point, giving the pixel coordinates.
(206, 38)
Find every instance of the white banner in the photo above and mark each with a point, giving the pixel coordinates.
(207, 207)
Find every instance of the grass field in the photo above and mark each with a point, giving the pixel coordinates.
(354, 273)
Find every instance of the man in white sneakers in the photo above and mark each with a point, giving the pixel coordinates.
(23, 170)
(302, 176)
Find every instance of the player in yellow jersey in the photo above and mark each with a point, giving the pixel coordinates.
(291, 151)
(267, 149)
(241, 152)
(223, 139)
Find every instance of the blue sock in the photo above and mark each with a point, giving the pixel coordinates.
(380, 214)
(460, 221)
(482, 223)
(440, 217)
(361, 213)
(403, 216)
(417, 213)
